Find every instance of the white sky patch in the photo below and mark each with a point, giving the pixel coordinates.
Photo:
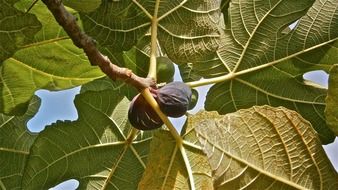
(55, 106)
(71, 184)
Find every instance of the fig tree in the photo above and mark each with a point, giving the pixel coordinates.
(142, 116)
(165, 70)
(174, 98)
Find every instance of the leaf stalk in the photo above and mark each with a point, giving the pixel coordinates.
(150, 99)
(153, 48)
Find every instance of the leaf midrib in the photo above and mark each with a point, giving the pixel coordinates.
(251, 35)
(272, 176)
(40, 43)
(50, 75)
(119, 30)
(74, 152)
(275, 95)
(14, 151)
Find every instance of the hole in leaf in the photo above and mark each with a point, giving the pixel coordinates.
(69, 185)
(178, 122)
(293, 25)
(290, 27)
(54, 106)
(202, 93)
(177, 75)
(318, 77)
(332, 153)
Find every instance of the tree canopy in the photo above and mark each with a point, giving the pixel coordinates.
(263, 126)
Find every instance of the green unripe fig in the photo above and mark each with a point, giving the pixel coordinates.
(194, 99)
(165, 70)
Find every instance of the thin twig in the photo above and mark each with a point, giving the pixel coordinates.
(85, 42)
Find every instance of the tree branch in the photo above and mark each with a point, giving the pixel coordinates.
(85, 42)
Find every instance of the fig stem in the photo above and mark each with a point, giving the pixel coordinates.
(234, 73)
(179, 140)
(204, 82)
(150, 99)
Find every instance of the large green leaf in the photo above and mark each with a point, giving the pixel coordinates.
(116, 24)
(166, 168)
(50, 61)
(331, 110)
(17, 28)
(263, 148)
(106, 84)
(256, 40)
(190, 33)
(318, 59)
(15, 143)
(136, 59)
(94, 149)
(272, 87)
(188, 30)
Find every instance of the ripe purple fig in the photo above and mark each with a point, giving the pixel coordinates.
(142, 116)
(174, 99)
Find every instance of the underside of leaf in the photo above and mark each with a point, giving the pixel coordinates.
(263, 148)
(100, 155)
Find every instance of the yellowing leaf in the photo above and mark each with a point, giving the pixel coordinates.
(265, 62)
(263, 148)
(166, 168)
(275, 87)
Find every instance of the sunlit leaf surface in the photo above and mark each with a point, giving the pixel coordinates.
(246, 47)
(17, 28)
(166, 168)
(268, 63)
(50, 61)
(263, 148)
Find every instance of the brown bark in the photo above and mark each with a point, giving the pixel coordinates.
(85, 42)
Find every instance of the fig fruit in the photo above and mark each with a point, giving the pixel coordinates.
(165, 70)
(194, 99)
(174, 99)
(142, 116)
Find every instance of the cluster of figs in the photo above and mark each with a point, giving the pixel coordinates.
(174, 99)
